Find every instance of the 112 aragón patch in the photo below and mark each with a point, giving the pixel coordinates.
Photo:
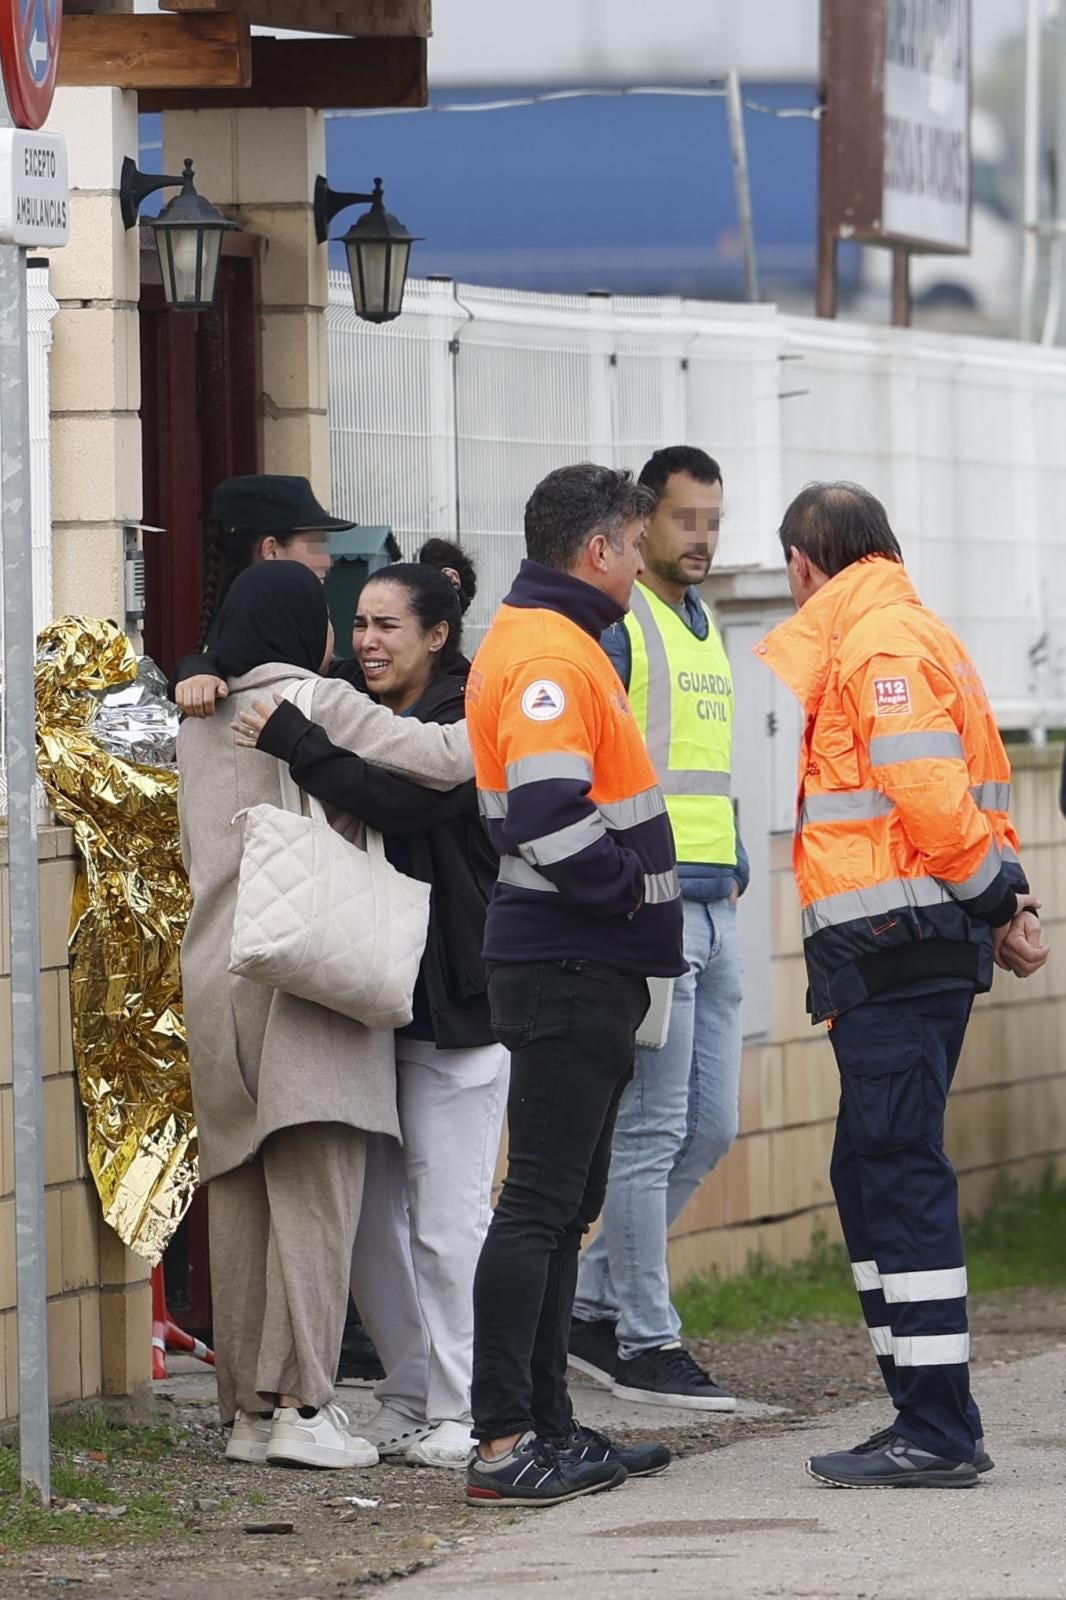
(892, 696)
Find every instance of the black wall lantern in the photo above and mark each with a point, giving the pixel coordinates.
(378, 249)
(188, 235)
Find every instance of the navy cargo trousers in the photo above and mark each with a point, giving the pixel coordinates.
(898, 1200)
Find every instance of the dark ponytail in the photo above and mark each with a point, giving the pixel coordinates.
(449, 557)
(230, 551)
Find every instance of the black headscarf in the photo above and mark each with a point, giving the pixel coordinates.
(274, 611)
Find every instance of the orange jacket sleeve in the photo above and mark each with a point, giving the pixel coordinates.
(547, 739)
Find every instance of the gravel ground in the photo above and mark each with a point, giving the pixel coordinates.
(340, 1549)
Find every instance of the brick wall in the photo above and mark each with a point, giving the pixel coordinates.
(1007, 1114)
(99, 1305)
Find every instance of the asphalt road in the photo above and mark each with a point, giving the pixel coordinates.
(748, 1522)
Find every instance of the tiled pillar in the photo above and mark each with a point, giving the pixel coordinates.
(95, 366)
(260, 167)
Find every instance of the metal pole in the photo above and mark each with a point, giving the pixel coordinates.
(901, 286)
(826, 282)
(1058, 247)
(1031, 201)
(738, 146)
(20, 744)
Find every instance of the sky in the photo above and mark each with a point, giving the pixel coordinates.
(556, 41)
(499, 41)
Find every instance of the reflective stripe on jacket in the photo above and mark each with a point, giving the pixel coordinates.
(681, 691)
(567, 790)
(904, 854)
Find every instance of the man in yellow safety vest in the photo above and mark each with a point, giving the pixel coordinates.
(678, 1116)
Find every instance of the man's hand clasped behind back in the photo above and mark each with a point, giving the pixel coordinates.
(1019, 945)
(197, 697)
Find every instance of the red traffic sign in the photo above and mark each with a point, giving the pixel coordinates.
(29, 54)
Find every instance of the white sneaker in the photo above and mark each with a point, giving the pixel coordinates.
(448, 1445)
(248, 1439)
(319, 1441)
(394, 1432)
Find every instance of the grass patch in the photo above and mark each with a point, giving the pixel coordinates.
(1017, 1244)
(99, 1462)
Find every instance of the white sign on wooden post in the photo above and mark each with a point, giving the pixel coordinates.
(34, 191)
(927, 122)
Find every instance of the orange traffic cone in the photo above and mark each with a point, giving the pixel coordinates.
(166, 1335)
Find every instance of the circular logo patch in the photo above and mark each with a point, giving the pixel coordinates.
(543, 701)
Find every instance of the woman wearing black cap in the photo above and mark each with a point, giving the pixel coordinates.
(264, 516)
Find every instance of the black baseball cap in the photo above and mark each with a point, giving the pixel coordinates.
(270, 502)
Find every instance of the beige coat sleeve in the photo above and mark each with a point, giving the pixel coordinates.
(434, 756)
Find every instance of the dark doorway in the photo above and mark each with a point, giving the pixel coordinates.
(200, 422)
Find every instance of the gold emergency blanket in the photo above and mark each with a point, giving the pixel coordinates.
(130, 908)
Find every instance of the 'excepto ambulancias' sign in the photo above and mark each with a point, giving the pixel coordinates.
(927, 117)
(34, 192)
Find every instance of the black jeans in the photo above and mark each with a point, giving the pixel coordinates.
(570, 1027)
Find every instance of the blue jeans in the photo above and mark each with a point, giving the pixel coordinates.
(676, 1120)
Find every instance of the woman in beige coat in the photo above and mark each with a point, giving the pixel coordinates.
(285, 1091)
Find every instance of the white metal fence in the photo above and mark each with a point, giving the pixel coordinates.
(443, 421)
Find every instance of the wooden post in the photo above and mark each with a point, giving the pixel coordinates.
(825, 290)
(901, 286)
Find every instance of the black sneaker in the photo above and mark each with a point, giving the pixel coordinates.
(889, 1461)
(359, 1361)
(593, 1350)
(981, 1459)
(535, 1473)
(669, 1377)
(639, 1460)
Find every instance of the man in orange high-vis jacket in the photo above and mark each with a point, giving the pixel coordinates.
(587, 907)
(908, 874)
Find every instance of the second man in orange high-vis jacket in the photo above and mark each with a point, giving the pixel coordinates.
(587, 907)
(907, 867)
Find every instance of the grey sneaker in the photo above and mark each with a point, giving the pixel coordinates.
(393, 1432)
(889, 1461)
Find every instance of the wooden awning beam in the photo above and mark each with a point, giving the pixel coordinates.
(127, 51)
(364, 19)
(324, 74)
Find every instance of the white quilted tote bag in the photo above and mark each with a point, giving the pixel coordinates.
(322, 919)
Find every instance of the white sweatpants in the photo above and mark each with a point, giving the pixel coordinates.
(426, 1208)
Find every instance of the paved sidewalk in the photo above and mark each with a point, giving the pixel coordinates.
(747, 1522)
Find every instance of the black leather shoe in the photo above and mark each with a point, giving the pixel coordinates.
(593, 1349)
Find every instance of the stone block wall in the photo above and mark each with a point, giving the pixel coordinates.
(99, 1302)
(95, 366)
